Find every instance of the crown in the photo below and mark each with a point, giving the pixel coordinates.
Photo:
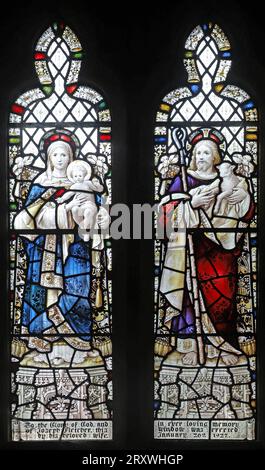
(57, 135)
(207, 134)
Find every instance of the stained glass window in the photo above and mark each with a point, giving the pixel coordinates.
(60, 260)
(205, 150)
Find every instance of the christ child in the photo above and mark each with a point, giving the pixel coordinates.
(84, 212)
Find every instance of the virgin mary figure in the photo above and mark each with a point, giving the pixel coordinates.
(56, 299)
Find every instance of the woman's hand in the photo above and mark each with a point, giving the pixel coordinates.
(238, 195)
(70, 206)
(103, 218)
(202, 199)
(78, 200)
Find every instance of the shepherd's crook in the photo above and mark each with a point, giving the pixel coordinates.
(179, 137)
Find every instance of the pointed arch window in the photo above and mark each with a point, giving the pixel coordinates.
(60, 259)
(205, 148)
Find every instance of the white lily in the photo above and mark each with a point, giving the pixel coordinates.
(165, 163)
(99, 163)
(20, 162)
(244, 162)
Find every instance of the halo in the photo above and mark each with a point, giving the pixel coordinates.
(57, 135)
(82, 163)
(207, 133)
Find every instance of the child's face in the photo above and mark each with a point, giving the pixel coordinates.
(78, 175)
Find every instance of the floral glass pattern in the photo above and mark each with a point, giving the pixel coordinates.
(60, 260)
(205, 150)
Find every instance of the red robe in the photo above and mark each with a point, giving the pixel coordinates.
(217, 276)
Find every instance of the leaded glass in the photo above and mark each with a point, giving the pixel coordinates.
(60, 259)
(205, 150)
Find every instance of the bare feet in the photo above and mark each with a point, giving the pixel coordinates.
(190, 358)
(230, 359)
(57, 361)
(92, 353)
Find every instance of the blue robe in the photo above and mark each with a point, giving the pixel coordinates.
(74, 299)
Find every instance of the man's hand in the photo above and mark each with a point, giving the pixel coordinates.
(202, 199)
(238, 195)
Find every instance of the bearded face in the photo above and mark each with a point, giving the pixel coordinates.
(204, 157)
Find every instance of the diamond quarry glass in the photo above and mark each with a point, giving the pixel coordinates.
(205, 149)
(60, 273)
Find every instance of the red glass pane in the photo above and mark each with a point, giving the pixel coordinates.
(71, 89)
(105, 137)
(39, 56)
(15, 108)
